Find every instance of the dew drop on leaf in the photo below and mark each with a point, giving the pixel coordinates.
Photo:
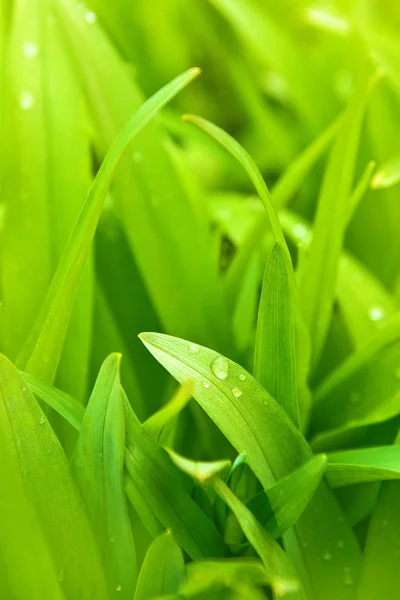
(193, 348)
(242, 377)
(118, 588)
(327, 556)
(90, 17)
(220, 367)
(30, 49)
(348, 579)
(61, 575)
(237, 392)
(42, 419)
(376, 313)
(26, 100)
(340, 544)
(206, 384)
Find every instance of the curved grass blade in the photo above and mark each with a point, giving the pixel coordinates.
(157, 491)
(41, 353)
(255, 424)
(364, 389)
(275, 351)
(161, 425)
(318, 281)
(98, 467)
(301, 341)
(283, 577)
(21, 537)
(163, 569)
(279, 507)
(380, 576)
(363, 466)
(50, 487)
(387, 175)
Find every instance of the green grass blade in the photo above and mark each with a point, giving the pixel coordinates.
(161, 425)
(279, 507)
(318, 282)
(163, 569)
(98, 467)
(363, 466)
(205, 574)
(283, 577)
(275, 351)
(387, 175)
(254, 423)
(41, 353)
(50, 487)
(157, 492)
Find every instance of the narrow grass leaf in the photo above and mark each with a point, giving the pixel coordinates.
(283, 577)
(318, 282)
(50, 487)
(163, 569)
(363, 466)
(42, 350)
(275, 351)
(387, 175)
(279, 507)
(162, 424)
(98, 467)
(256, 425)
(158, 493)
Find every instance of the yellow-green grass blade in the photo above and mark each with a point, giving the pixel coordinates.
(98, 467)
(363, 466)
(50, 487)
(175, 262)
(319, 277)
(21, 537)
(162, 424)
(159, 495)
(163, 569)
(299, 342)
(255, 423)
(42, 350)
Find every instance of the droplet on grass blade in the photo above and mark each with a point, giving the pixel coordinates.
(376, 313)
(220, 367)
(90, 17)
(237, 392)
(26, 100)
(30, 49)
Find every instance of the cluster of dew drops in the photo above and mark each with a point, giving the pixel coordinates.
(220, 368)
(30, 50)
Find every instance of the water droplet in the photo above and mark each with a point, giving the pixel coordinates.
(193, 348)
(90, 17)
(206, 384)
(355, 398)
(376, 313)
(327, 556)
(112, 539)
(42, 419)
(340, 544)
(242, 377)
(30, 49)
(61, 575)
(265, 402)
(237, 392)
(300, 231)
(348, 578)
(118, 588)
(220, 367)
(26, 100)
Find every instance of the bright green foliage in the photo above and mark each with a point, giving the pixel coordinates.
(247, 446)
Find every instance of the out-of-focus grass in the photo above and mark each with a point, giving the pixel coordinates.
(272, 470)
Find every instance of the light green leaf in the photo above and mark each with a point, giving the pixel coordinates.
(98, 467)
(282, 575)
(161, 425)
(275, 351)
(279, 507)
(42, 350)
(388, 174)
(50, 487)
(204, 574)
(363, 466)
(157, 491)
(200, 471)
(318, 281)
(163, 569)
(255, 424)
